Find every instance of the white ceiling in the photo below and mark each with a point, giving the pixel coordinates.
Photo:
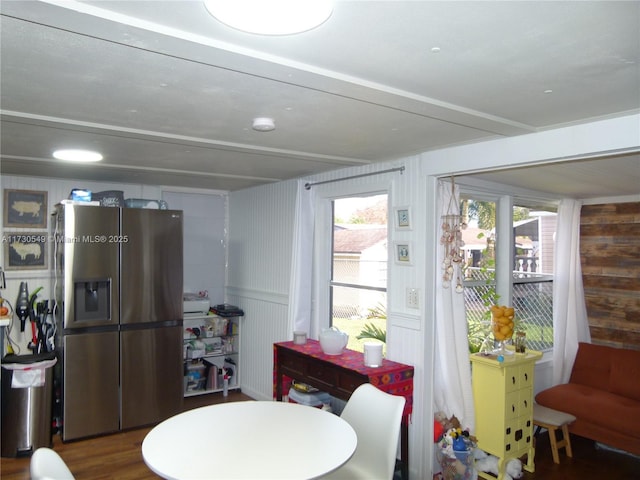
(168, 93)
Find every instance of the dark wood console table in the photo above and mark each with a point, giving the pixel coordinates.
(340, 375)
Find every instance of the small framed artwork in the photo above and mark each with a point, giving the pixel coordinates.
(25, 209)
(403, 218)
(403, 253)
(25, 250)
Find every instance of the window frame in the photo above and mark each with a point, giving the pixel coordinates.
(323, 253)
(357, 286)
(505, 257)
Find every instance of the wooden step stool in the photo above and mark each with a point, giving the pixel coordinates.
(550, 419)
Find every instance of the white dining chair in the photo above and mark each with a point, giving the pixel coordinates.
(46, 464)
(375, 416)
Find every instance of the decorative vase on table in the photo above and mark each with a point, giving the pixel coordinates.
(502, 324)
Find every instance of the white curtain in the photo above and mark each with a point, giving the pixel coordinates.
(302, 262)
(570, 323)
(452, 380)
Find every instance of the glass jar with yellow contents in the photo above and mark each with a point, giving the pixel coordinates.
(502, 324)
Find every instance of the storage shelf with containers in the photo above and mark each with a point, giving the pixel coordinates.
(211, 349)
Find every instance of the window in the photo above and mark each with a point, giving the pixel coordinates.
(479, 271)
(532, 297)
(509, 266)
(358, 285)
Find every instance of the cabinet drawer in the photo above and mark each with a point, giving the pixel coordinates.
(519, 403)
(321, 376)
(292, 365)
(512, 405)
(525, 402)
(348, 382)
(512, 379)
(525, 373)
(518, 435)
(518, 377)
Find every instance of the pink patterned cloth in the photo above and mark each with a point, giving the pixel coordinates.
(392, 377)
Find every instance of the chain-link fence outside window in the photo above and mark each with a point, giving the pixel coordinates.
(532, 301)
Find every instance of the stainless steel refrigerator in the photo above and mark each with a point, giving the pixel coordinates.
(118, 287)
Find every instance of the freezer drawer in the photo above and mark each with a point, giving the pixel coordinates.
(152, 376)
(91, 386)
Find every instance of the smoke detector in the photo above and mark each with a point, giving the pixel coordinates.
(263, 124)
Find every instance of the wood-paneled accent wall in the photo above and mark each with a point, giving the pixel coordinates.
(610, 259)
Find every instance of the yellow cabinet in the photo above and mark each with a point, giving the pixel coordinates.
(503, 399)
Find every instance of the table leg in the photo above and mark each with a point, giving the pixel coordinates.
(278, 386)
(404, 450)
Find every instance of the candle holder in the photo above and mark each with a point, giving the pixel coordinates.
(521, 342)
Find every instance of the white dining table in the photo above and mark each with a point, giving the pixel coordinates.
(249, 440)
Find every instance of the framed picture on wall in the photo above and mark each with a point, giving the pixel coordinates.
(25, 250)
(402, 218)
(25, 209)
(403, 253)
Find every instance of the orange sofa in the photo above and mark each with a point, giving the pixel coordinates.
(604, 395)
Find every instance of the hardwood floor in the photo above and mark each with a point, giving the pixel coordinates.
(589, 462)
(118, 456)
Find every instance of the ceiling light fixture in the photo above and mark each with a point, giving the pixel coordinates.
(76, 155)
(271, 17)
(263, 124)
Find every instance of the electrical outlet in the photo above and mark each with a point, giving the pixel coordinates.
(413, 298)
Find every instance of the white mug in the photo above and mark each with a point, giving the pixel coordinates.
(299, 338)
(372, 354)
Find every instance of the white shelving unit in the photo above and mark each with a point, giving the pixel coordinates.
(211, 344)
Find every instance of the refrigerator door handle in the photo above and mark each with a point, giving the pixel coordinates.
(150, 325)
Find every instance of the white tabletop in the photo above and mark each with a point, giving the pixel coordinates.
(250, 440)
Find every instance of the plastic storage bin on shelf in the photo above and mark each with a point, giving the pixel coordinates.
(195, 378)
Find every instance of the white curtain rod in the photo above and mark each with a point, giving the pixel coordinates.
(396, 169)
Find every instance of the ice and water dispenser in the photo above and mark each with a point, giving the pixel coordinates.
(92, 300)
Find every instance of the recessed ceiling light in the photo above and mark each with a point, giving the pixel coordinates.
(271, 17)
(435, 49)
(76, 155)
(263, 124)
(548, 91)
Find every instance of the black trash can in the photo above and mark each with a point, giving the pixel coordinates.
(27, 383)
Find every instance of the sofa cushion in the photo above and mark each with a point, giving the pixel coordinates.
(592, 366)
(594, 406)
(625, 372)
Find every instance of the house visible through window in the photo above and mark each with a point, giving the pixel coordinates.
(527, 260)
(358, 286)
